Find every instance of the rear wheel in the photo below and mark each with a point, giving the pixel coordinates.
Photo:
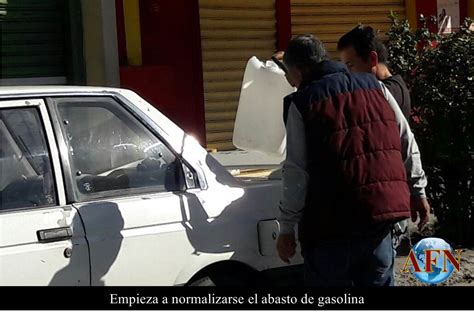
(224, 276)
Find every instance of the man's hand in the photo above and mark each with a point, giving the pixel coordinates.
(279, 55)
(286, 247)
(420, 208)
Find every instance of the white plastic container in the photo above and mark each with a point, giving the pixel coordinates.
(259, 123)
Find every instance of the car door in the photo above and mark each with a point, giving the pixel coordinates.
(128, 187)
(42, 239)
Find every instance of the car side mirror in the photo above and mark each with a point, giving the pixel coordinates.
(174, 177)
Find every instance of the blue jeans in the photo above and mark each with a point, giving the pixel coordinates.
(358, 262)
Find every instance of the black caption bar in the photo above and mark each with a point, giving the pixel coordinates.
(189, 298)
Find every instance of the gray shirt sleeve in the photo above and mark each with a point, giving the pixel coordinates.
(294, 174)
(410, 152)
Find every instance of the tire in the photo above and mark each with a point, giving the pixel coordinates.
(202, 282)
(224, 280)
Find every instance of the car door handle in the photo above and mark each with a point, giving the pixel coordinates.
(53, 235)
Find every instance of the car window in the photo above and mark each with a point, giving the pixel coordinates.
(26, 179)
(111, 151)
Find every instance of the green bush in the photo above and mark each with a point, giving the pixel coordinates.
(439, 71)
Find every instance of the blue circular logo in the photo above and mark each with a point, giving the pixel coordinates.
(435, 260)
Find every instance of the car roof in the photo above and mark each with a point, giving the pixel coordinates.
(54, 89)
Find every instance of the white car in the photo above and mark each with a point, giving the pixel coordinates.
(97, 187)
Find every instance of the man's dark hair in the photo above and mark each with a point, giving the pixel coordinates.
(364, 40)
(305, 52)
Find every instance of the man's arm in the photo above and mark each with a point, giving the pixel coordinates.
(294, 174)
(410, 152)
(294, 184)
(411, 157)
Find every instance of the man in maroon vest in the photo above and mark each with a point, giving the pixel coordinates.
(362, 50)
(349, 150)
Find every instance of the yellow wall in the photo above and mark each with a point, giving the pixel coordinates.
(131, 12)
(410, 9)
